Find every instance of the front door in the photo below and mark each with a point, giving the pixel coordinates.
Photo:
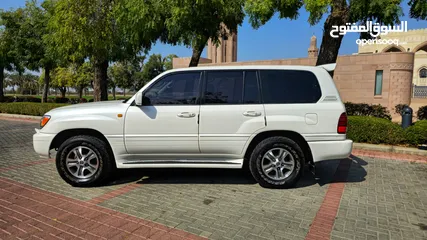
(168, 125)
(231, 111)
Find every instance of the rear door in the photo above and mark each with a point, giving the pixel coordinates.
(293, 101)
(230, 112)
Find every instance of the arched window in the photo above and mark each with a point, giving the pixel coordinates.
(423, 73)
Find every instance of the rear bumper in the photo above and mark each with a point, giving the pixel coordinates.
(41, 143)
(330, 150)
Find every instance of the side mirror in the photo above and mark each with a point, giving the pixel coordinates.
(138, 99)
(141, 100)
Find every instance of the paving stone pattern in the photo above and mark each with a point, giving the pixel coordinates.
(16, 143)
(16, 149)
(221, 211)
(391, 202)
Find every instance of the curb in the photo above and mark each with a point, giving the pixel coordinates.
(389, 149)
(28, 117)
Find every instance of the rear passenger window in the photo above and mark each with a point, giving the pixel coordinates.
(224, 87)
(289, 86)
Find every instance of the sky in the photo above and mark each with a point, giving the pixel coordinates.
(278, 39)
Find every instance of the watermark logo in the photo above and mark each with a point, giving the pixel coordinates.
(374, 30)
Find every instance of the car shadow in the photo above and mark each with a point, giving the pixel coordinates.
(347, 170)
(325, 173)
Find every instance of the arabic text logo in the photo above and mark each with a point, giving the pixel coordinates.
(373, 29)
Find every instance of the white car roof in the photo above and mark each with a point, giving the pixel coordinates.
(327, 67)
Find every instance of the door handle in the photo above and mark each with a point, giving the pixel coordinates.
(186, 115)
(252, 114)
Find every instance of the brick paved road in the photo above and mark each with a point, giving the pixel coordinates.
(377, 199)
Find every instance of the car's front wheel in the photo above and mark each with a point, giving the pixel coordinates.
(276, 162)
(83, 161)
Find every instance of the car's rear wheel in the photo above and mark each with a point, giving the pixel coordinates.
(83, 161)
(276, 162)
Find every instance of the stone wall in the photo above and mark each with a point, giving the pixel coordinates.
(291, 61)
(185, 61)
(355, 78)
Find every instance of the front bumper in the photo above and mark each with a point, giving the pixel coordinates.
(330, 150)
(41, 143)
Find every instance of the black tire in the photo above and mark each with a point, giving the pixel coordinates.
(262, 148)
(99, 147)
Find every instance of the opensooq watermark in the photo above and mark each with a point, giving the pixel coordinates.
(373, 29)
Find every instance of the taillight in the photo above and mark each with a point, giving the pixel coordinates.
(342, 124)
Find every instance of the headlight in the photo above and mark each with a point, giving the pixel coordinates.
(44, 120)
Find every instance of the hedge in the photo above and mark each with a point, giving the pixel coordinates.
(71, 100)
(417, 133)
(363, 109)
(28, 108)
(399, 108)
(22, 98)
(422, 113)
(365, 129)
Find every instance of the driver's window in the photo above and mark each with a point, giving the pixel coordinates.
(175, 89)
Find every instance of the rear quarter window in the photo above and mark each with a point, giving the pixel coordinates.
(289, 86)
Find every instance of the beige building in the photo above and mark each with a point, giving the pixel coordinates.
(226, 51)
(414, 41)
(377, 74)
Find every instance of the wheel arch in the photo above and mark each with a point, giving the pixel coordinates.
(66, 134)
(298, 138)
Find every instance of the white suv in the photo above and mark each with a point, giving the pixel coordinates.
(274, 119)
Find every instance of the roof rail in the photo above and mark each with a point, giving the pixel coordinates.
(328, 67)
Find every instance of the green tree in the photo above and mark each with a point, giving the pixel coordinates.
(418, 9)
(188, 22)
(153, 67)
(28, 26)
(156, 65)
(16, 80)
(61, 78)
(127, 74)
(193, 22)
(8, 59)
(111, 83)
(168, 61)
(5, 82)
(84, 77)
(121, 74)
(30, 83)
(339, 12)
(98, 30)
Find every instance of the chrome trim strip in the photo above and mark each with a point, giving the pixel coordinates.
(181, 161)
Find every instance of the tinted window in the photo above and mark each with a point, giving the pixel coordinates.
(378, 82)
(289, 86)
(251, 90)
(224, 87)
(179, 88)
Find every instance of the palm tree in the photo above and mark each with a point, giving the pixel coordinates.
(30, 82)
(6, 79)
